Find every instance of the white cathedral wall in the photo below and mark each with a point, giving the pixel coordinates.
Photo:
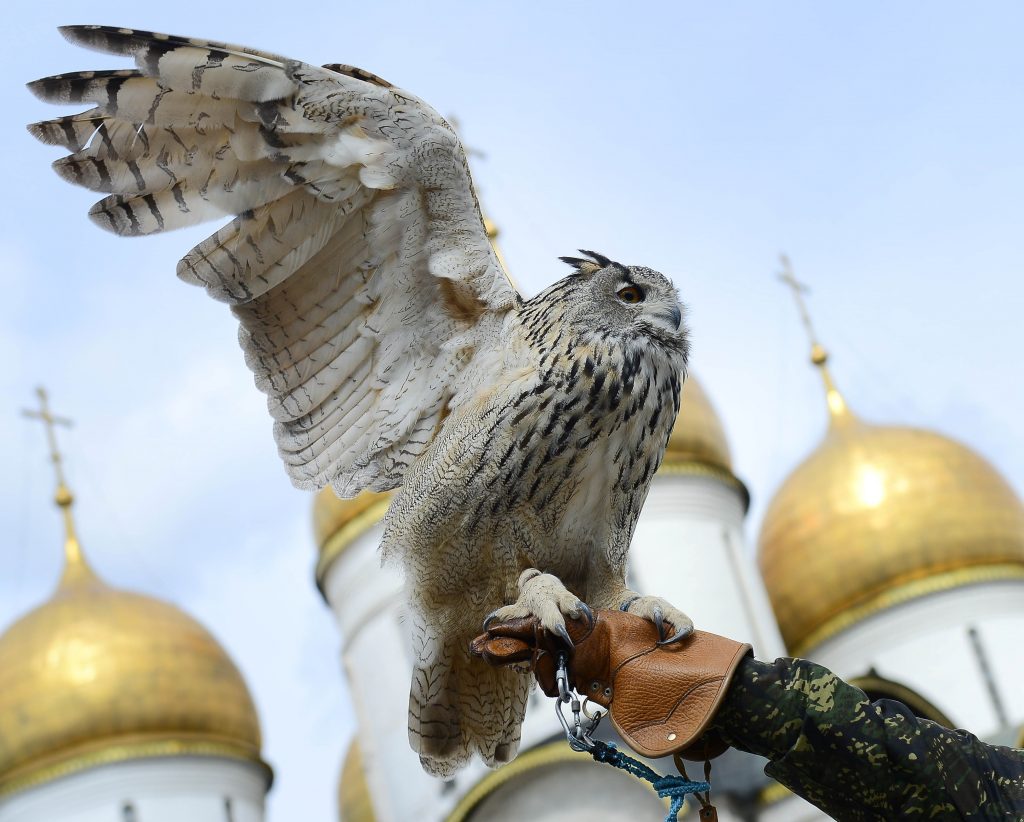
(927, 645)
(690, 549)
(161, 789)
(569, 792)
(367, 602)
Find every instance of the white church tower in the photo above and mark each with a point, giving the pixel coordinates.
(895, 557)
(690, 546)
(691, 529)
(118, 707)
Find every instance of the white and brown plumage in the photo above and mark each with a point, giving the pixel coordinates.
(393, 349)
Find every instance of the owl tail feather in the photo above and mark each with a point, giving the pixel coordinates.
(459, 705)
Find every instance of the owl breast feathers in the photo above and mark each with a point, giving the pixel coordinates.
(393, 349)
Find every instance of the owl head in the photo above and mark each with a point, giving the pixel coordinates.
(628, 300)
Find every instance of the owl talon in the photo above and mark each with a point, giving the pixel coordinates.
(659, 623)
(564, 634)
(682, 633)
(544, 597)
(586, 612)
(665, 616)
(493, 615)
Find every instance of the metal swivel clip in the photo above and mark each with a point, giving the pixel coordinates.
(579, 730)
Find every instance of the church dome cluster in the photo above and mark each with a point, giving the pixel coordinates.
(874, 517)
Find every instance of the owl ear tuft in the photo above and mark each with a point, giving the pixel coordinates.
(581, 265)
(595, 263)
(600, 259)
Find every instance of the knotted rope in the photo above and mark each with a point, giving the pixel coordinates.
(675, 788)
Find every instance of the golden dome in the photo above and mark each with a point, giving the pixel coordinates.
(697, 444)
(98, 675)
(698, 436)
(879, 515)
(354, 803)
(337, 522)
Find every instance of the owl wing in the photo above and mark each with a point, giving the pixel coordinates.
(357, 261)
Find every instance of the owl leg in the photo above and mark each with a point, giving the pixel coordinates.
(545, 597)
(458, 707)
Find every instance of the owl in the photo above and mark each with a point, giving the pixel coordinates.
(521, 435)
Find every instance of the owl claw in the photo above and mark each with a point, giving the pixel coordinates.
(543, 597)
(682, 633)
(564, 634)
(493, 615)
(662, 614)
(586, 612)
(659, 623)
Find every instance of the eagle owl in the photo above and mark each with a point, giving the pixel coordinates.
(522, 435)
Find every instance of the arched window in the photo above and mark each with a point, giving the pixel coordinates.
(878, 687)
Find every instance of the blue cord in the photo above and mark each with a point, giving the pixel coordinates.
(674, 787)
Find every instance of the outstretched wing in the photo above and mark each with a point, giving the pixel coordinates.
(357, 261)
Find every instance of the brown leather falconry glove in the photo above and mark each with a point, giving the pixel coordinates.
(661, 698)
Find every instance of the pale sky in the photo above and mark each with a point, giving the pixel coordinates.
(879, 144)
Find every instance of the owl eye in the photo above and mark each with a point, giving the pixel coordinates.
(631, 294)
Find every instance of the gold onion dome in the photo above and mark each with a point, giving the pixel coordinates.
(338, 522)
(98, 675)
(698, 436)
(878, 515)
(697, 446)
(354, 803)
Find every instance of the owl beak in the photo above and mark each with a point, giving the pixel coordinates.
(674, 316)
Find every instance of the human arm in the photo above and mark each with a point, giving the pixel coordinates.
(824, 739)
(857, 759)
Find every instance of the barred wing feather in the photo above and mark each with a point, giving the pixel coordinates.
(357, 261)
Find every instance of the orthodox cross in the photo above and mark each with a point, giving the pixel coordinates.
(51, 421)
(819, 356)
(75, 565)
(799, 289)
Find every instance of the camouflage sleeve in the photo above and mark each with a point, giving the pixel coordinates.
(862, 760)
